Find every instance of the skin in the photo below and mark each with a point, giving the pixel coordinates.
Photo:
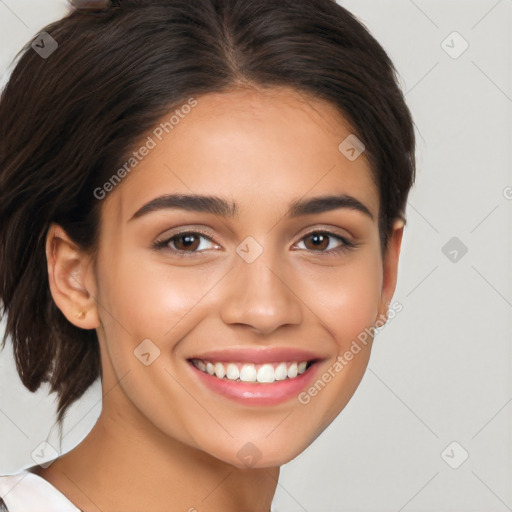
(162, 437)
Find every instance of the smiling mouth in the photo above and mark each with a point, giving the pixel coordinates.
(265, 373)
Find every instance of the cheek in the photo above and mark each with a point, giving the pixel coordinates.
(346, 303)
(150, 301)
(345, 299)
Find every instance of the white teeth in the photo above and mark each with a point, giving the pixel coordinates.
(263, 373)
(280, 373)
(292, 371)
(219, 370)
(232, 372)
(248, 373)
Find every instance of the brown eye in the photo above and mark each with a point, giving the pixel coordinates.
(319, 241)
(185, 242)
(325, 243)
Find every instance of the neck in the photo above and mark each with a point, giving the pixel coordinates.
(127, 464)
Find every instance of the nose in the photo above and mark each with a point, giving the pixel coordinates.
(260, 296)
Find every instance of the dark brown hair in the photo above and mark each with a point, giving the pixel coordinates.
(68, 120)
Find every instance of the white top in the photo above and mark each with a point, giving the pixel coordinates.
(27, 492)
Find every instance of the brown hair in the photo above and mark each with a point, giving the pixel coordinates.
(68, 120)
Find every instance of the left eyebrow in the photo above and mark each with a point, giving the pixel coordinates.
(222, 207)
(326, 203)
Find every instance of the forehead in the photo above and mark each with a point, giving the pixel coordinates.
(264, 147)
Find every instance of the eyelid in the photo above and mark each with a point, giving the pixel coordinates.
(331, 230)
(170, 233)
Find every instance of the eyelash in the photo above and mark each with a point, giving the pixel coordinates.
(164, 244)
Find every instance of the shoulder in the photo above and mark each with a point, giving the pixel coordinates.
(25, 491)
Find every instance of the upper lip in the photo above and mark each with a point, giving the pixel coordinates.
(258, 356)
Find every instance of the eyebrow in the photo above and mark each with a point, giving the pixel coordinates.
(228, 209)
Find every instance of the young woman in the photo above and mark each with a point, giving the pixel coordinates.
(202, 203)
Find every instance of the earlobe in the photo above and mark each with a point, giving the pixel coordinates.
(71, 279)
(390, 267)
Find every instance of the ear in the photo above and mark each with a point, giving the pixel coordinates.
(71, 278)
(390, 267)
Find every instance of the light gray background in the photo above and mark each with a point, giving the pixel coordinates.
(441, 370)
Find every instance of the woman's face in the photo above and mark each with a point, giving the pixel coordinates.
(248, 275)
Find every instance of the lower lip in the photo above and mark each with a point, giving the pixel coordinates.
(251, 393)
